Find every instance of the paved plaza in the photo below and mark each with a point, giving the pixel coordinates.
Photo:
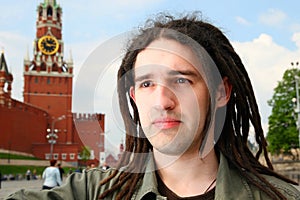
(8, 187)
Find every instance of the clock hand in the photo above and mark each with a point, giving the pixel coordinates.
(50, 45)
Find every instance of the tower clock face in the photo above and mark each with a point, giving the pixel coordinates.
(48, 44)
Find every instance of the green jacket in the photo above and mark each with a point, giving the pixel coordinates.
(230, 185)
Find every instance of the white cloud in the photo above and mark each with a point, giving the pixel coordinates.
(295, 27)
(296, 39)
(272, 17)
(266, 62)
(242, 21)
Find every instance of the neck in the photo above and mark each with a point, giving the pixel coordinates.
(187, 175)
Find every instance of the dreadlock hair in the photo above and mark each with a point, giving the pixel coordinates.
(241, 109)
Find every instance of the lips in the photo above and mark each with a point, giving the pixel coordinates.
(166, 123)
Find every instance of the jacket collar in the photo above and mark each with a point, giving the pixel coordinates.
(227, 179)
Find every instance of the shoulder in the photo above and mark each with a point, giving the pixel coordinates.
(46, 169)
(53, 168)
(287, 189)
(98, 173)
(229, 177)
(83, 185)
(92, 177)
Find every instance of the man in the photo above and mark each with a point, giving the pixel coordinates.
(51, 176)
(28, 174)
(187, 104)
(61, 171)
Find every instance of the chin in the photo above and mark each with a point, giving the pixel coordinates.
(173, 149)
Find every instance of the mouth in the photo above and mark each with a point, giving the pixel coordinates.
(166, 123)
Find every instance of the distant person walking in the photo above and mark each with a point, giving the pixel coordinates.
(34, 174)
(61, 171)
(28, 174)
(51, 176)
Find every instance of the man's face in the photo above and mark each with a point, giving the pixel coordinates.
(171, 96)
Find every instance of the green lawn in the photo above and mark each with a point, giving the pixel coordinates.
(14, 156)
(16, 169)
(13, 169)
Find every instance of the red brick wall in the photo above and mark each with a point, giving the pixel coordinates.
(20, 125)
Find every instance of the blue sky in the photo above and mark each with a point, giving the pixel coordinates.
(266, 34)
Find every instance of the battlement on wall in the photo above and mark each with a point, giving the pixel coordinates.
(88, 116)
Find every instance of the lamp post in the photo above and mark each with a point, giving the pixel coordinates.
(101, 149)
(297, 102)
(297, 106)
(52, 134)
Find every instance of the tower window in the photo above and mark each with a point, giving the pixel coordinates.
(54, 68)
(36, 80)
(32, 67)
(48, 80)
(49, 11)
(58, 17)
(43, 67)
(65, 67)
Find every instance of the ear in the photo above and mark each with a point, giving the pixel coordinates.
(132, 93)
(223, 93)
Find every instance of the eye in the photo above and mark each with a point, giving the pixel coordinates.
(182, 80)
(146, 84)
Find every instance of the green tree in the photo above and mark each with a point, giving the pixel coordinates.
(85, 153)
(283, 134)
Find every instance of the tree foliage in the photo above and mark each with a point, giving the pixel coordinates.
(283, 133)
(85, 153)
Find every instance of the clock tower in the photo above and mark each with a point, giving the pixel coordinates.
(48, 77)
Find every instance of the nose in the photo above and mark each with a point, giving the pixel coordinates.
(164, 98)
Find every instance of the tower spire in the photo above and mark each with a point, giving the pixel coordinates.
(3, 65)
(50, 2)
(6, 79)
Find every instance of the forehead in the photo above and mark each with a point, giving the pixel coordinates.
(168, 53)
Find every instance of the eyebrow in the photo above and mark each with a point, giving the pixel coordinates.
(143, 77)
(183, 72)
(171, 72)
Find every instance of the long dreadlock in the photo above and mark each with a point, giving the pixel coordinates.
(241, 109)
